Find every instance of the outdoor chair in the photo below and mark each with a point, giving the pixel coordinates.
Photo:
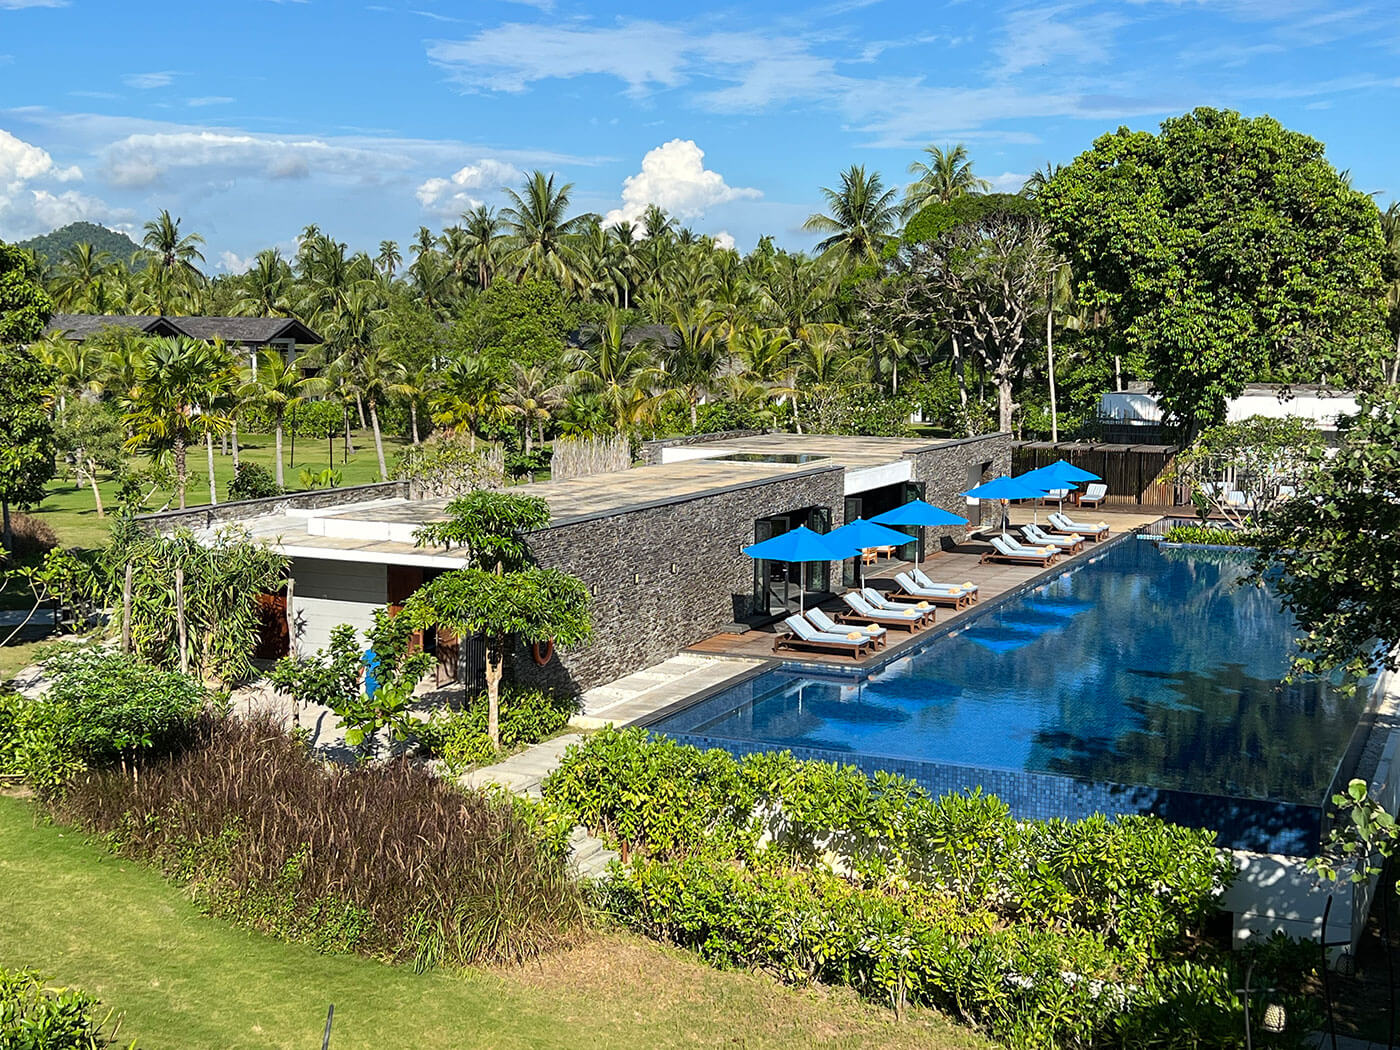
(1064, 523)
(1072, 542)
(958, 597)
(1055, 496)
(1094, 494)
(863, 612)
(1003, 551)
(884, 603)
(805, 636)
(823, 622)
(923, 580)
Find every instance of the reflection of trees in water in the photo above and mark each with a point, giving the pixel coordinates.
(1227, 733)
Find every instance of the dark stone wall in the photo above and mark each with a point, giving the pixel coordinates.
(664, 577)
(944, 470)
(202, 517)
(651, 450)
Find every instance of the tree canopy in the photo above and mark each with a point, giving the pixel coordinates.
(1228, 250)
(24, 305)
(27, 444)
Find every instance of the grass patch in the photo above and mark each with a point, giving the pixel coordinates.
(72, 512)
(115, 928)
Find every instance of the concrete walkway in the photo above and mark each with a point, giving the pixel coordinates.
(647, 691)
(522, 774)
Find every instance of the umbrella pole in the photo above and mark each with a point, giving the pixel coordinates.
(802, 588)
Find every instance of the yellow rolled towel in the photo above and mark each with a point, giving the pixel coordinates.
(969, 584)
(855, 636)
(1103, 524)
(922, 605)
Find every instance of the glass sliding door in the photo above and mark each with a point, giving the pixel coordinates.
(819, 572)
(914, 550)
(850, 568)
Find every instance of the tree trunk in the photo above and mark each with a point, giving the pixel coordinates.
(235, 445)
(8, 531)
(181, 635)
(126, 607)
(1395, 364)
(281, 477)
(96, 492)
(525, 435)
(213, 485)
(349, 445)
(960, 370)
(1050, 355)
(694, 416)
(378, 440)
(360, 407)
(413, 417)
(180, 478)
(495, 670)
(1005, 406)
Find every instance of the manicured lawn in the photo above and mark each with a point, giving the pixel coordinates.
(72, 513)
(185, 980)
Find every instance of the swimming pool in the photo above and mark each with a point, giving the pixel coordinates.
(1143, 680)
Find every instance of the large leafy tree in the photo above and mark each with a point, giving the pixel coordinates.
(539, 223)
(279, 387)
(27, 443)
(1333, 550)
(24, 305)
(1228, 250)
(979, 267)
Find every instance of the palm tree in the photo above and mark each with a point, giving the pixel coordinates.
(862, 215)
(693, 363)
(374, 373)
(529, 396)
(266, 287)
(467, 396)
(81, 267)
(175, 377)
(946, 176)
(1039, 179)
(161, 237)
(1390, 231)
(79, 363)
(413, 386)
(483, 228)
(618, 371)
(389, 258)
(537, 222)
(280, 387)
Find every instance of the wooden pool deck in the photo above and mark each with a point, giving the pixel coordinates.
(953, 566)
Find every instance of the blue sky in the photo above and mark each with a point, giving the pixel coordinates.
(250, 118)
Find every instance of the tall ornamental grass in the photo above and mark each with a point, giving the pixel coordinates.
(386, 860)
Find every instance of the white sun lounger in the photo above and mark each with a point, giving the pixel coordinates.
(805, 636)
(823, 622)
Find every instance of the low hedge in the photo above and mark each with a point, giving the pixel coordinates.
(384, 860)
(1211, 535)
(527, 717)
(1047, 933)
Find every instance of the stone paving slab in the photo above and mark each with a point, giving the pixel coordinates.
(644, 692)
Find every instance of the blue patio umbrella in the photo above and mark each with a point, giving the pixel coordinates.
(1058, 475)
(1005, 488)
(800, 545)
(864, 534)
(917, 512)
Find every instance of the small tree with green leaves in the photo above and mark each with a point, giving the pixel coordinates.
(90, 439)
(1262, 458)
(491, 526)
(532, 605)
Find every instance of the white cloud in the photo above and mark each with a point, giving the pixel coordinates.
(17, 5)
(51, 210)
(675, 179)
(1041, 36)
(147, 81)
(449, 196)
(1007, 182)
(231, 262)
(142, 158)
(724, 239)
(20, 162)
(209, 100)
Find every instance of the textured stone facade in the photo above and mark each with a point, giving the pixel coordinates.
(664, 577)
(951, 467)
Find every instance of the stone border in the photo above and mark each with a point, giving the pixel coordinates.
(207, 515)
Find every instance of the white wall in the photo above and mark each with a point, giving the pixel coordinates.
(328, 593)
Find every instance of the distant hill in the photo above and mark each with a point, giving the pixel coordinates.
(54, 244)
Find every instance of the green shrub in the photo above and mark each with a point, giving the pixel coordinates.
(102, 707)
(1052, 933)
(1213, 535)
(35, 1016)
(253, 481)
(385, 860)
(527, 717)
(313, 419)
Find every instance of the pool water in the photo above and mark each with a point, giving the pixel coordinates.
(1148, 677)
